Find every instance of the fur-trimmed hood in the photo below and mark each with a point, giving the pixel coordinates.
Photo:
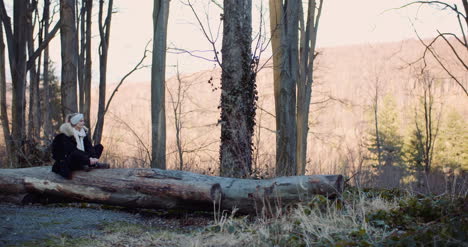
(67, 129)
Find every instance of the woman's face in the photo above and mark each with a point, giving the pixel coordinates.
(80, 124)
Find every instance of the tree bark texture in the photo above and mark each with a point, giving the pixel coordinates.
(158, 84)
(308, 42)
(286, 131)
(18, 72)
(276, 27)
(155, 188)
(48, 132)
(88, 64)
(104, 33)
(238, 90)
(69, 47)
(3, 103)
(34, 122)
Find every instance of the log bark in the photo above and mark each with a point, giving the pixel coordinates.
(167, 189)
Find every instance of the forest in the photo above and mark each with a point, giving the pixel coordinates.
(390, 117)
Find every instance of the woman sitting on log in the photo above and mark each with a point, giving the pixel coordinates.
(72, 150)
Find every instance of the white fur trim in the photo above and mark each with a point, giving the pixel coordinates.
(68, 130)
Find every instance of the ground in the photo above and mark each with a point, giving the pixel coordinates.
(37, 225)
(358, 217)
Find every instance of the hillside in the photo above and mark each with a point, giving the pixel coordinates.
(345, 81)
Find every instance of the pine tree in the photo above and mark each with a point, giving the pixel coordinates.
(453, 144)
(387, 139)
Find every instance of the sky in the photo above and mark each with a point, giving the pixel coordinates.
(343, 22)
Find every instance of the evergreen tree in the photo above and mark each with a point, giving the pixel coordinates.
(389, 141)
(453, 144)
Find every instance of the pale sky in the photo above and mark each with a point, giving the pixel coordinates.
(343, 22)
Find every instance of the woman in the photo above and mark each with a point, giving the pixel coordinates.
(72, 150)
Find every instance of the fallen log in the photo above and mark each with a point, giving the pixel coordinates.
(168, 189)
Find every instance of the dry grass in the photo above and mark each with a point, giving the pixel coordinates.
(321, 222)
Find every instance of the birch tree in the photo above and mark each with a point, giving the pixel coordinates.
(158, 87)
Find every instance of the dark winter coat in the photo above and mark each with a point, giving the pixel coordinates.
(67, 156)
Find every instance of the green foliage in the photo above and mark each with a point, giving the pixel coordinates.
(421, 221)
(453, 142)
(390, 141)
(414, 150)
(55, 99)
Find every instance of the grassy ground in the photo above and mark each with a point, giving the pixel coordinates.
(358, 218)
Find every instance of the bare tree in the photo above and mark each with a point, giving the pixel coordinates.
(3, 103)
(34, 122)
(451, 39)
(177, 100)
(293, 67)
(158, 74)
(104, 33)
(431, 120)
(85, 62)
(16, 41)
(45, 76)
(284, 19)
(308, 41)
(69, 50)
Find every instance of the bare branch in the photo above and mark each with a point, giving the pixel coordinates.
(445, 6)
(212, 42)
(43, 45)
(137, 67)
(453, 49)
(147, 150)
(428, 48)
(191, 53)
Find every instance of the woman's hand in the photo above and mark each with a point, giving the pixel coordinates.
(93, 161)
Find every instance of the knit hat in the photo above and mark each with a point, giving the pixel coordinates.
(74, 119)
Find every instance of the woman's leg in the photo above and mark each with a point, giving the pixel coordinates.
(98, 149)
(77, 160)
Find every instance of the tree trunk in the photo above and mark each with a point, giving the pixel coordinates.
(286, 114)
(276, 28)
(84, 69)
(104, 33)
(306, 74)
(155, 188)
(376, 120)
(48, 132)
(3, 103)
(18, 60)
(158, 74)
(237, 90)
(88, 64)
(34, 124)
(465, 6)
(81, 34)
(69, 47)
